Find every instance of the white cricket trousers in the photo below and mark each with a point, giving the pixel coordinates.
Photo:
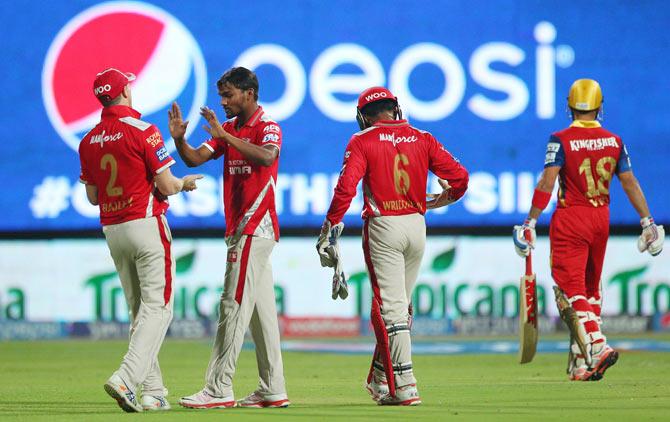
(142, 253)
(248, 300)
(393, 248)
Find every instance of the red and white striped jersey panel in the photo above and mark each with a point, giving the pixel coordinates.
(248, 188)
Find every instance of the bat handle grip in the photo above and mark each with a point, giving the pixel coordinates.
(529, 260)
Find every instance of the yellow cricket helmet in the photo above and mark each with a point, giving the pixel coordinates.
(585, 95)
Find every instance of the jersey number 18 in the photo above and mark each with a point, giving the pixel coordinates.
(604, 168)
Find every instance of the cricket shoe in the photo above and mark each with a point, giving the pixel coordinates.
(577, 367)
(602, 360)
(406, 395)
(117, 388)
(155, 403)
(578, 373)
(377, 388)
(259, 400)
(203, 400)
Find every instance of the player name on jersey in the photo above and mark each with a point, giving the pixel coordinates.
(114, 206)
(400, 204)
(593, 144)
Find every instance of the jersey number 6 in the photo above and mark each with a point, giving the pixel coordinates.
(108, 160)
(400, 175)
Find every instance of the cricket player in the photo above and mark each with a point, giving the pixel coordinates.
(584, 157)
(393, 159)
(126, 170)
(249, 143)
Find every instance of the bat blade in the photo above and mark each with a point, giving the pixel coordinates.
(528, 332)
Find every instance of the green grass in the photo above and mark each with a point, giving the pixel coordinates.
(63, 381)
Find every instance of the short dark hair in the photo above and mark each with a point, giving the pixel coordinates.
(373, 109)
(107, 101)
(241, 78)
(580, 113)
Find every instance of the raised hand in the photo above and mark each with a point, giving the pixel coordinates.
(214, 129)
(176, 124)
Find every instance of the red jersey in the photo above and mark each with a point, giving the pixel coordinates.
(393, 159)
(120, 156)
(248, 188)
(588, 156)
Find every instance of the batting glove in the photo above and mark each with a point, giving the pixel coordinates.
(652, 237)
(521, 245)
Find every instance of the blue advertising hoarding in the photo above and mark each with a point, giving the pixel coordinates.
(488, 79)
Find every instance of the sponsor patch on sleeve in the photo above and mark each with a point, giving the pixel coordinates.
(162, 154)
(154, 139)
(552, 150)
(550, 158)
(271, 128)
(553, 147)
(270, 137)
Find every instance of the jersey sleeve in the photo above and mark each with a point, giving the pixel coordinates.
(555, 155)
(217, 146)
(623, 165)
(446, 167)
(84, 174)
(271, 135)
(353, 170)
(156, 155)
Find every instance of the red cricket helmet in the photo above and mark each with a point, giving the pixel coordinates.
(371, 95)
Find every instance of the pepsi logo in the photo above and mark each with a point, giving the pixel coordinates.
(135, 37)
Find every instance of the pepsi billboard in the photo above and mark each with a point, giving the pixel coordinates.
(488, 80)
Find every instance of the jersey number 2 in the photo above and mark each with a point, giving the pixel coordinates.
(601, 187)
(108, 160)
(400, 175)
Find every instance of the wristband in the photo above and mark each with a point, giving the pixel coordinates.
(530, 222)
(646, 222)
(541, 199)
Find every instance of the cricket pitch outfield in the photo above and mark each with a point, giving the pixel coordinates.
(62, 380)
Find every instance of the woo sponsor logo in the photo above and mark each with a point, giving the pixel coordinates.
(99, 90)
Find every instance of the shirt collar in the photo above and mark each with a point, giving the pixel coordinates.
(254, 117)
(117, 111)
(391, 123)
(585, 123)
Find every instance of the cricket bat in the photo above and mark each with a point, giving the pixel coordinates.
(527, 312)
